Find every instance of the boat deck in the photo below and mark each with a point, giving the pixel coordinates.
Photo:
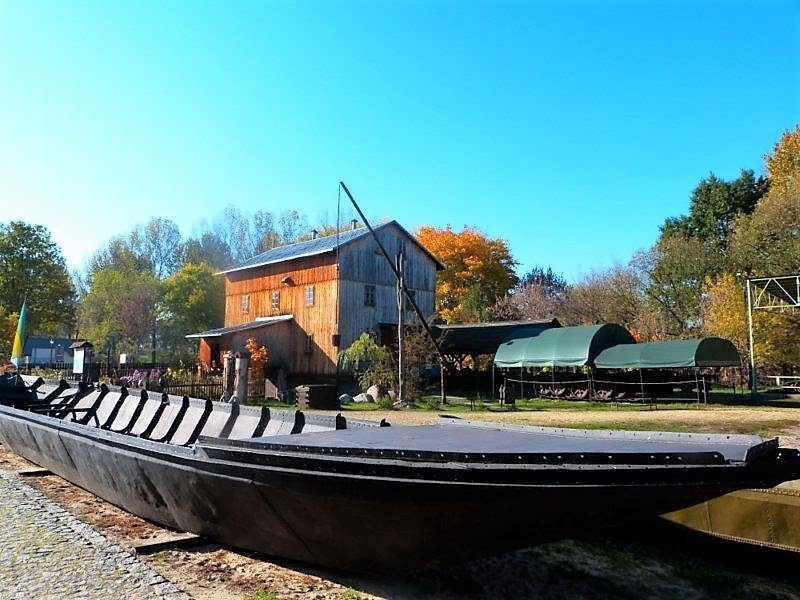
(451, 436)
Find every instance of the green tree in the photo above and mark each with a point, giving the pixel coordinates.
(676, 268)
(209, 249)
(767, 243)
(31, 265)
(118, 311)
(714, 205)
(8, 327)
(193, 301)
(369, 363)
(157, 244)
(118, 254)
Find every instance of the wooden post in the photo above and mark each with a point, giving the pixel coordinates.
(240, 379)
(228, 373)
(400, 355)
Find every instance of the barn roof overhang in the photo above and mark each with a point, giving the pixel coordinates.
(258, 323)
(484, 338)
(700, 352)
(562, 346)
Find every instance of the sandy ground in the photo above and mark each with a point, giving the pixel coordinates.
(617, 565)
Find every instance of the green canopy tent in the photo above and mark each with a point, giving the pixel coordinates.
(674, 354)
(701, 352)
(560, 347)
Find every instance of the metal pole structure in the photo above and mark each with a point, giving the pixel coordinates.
(697, 383)
(750, 340)
(410, 298)
(400, 355)
(641, 383)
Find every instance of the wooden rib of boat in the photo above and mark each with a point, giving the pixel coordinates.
(358, 496)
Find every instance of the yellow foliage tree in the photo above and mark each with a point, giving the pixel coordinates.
(8, 328)
(479, 271)
(725, 315)
(783, 163)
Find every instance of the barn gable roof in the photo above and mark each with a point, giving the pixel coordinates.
(318, 246)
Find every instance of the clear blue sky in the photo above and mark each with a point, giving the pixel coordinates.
(570, 129)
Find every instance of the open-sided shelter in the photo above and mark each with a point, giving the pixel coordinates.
(701, 352)
(561, 346)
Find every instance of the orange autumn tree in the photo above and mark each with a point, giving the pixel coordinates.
(479, 271)
(259, 356)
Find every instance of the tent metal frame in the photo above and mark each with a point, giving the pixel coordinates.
(768, 293)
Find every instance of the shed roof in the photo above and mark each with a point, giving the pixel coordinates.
(700, 352)
(484, 338)
(260, 322)
(562, 346)
(320, 245)
(44, 342)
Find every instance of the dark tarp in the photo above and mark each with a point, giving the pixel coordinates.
(702, 352)
(562, 346)
(484, 338)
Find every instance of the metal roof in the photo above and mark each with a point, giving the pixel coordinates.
(484, 338)
(260, 322)
(700, 352)
(44, 342)
(320, 245)
(562, 346)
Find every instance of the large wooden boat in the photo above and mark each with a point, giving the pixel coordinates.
(361, 496)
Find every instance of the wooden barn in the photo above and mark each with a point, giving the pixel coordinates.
(306, 301)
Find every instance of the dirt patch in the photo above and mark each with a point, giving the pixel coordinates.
(600, 567)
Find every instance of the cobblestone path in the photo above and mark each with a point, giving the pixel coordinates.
(45, 552)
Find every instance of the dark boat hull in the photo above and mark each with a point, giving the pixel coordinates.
(312, 509)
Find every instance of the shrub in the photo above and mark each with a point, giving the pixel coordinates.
(368, 362)
(431, 403)
(385, 403)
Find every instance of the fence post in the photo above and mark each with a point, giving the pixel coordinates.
(240, 386)
(228, 374)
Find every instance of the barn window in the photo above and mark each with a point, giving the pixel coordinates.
(245, 303)
(309, 346)
(309, 295)
(369, 295)
(276, 301)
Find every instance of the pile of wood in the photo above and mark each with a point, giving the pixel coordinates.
(317, 396)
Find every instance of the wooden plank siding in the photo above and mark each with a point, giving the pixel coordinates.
(360, 264)
(288, 349)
